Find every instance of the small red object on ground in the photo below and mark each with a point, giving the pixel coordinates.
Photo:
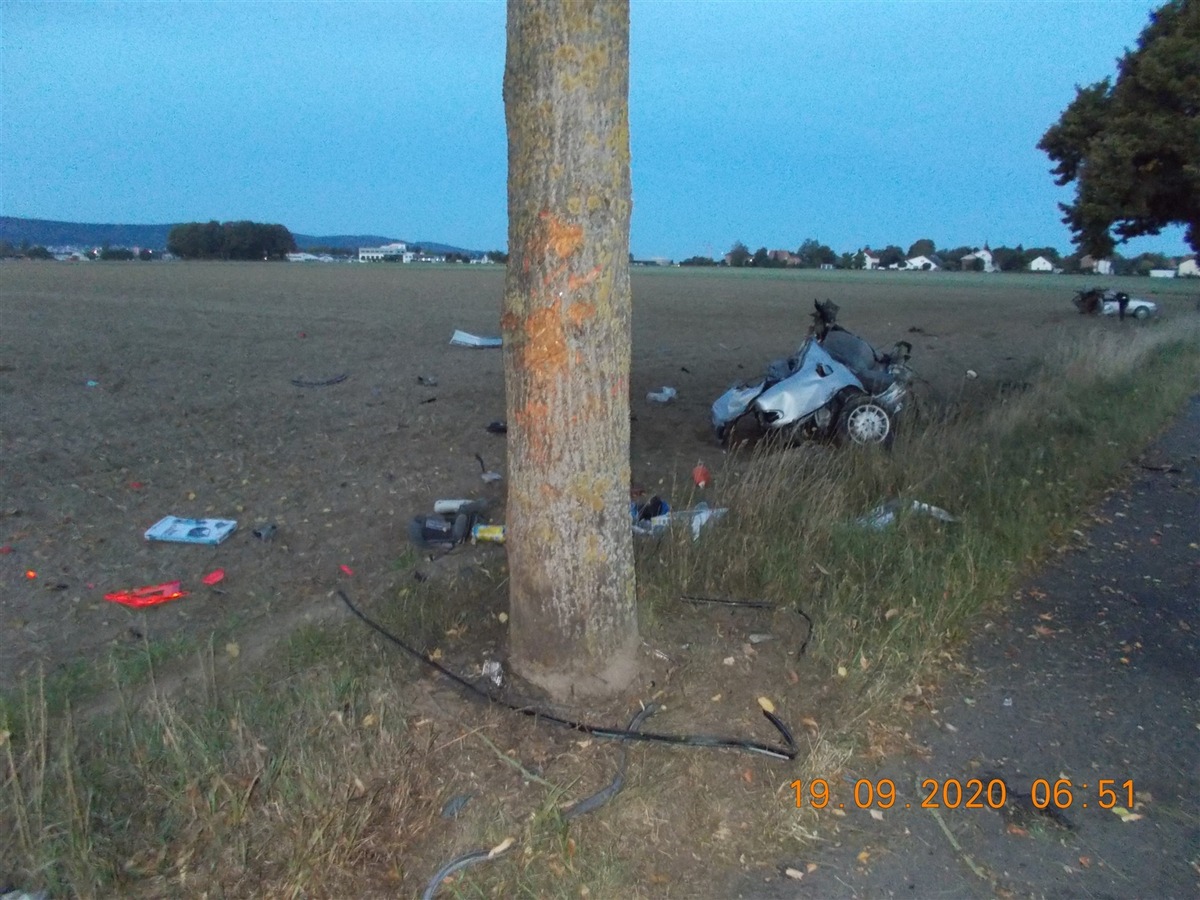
(214, 577)
(5, 550)
(149, 595)
(700, 475)
(30, 574)
(136, 485)
(347, 570)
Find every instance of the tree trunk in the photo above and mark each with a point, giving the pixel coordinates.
(566, 328)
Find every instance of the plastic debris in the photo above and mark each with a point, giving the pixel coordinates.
(216, 576)
(456, 506)
(498, 427)
(666, 395)
(440, 531)
(265, 532)
(494, 672)
(346, 570)
(656, 516)
(92, 383)
(151, 595)
(191, 531)
(701, 476)
(488, 534)
(455, 805)
(427, 380)
(320, 382)
(465, 339)
(884, 516)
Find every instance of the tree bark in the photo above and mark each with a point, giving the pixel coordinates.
(566, 329)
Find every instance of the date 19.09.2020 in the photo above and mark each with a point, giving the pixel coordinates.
(971, 793)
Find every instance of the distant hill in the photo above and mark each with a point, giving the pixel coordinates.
(46, 233)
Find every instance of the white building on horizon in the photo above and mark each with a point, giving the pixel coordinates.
(397, 250)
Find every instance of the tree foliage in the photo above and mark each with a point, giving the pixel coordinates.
(739, 254)
(922, 247)
(813, 254)
(1132, 146)
(230, 240)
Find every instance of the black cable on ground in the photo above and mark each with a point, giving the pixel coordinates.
(756, 604)
(786, 751)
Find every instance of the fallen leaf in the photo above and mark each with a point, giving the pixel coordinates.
(767, 705)
(891, 614)
(811, 867)
(793, 873)
(793, 677)
(747, 776)
(233, 650)
(1085, 861)
(369, 719)
(1043, 630)
(864, 663)
(729, 661)
(1125, 815)
(863, 856)
(841, 670)
(503, 617)
(1017, 830)
(808, 722)
(876, 815)
(501, 847)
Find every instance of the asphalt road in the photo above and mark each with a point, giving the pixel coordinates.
(1092, 679)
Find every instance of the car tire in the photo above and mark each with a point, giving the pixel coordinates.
(864, 421)
(1141, 313)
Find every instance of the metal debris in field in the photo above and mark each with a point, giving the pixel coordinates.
(884, 516)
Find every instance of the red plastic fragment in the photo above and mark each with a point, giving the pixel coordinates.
(150, 595)
(214, 577)
(346, 569)
(5, 550)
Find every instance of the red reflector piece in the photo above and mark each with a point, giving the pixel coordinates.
(214, 577)
(149, 595)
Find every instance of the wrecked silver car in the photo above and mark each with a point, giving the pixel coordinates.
(835, 386)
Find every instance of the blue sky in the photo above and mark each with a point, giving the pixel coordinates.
(857, 123)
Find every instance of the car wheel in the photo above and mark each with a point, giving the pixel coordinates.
(1141, 313)
(864, 421)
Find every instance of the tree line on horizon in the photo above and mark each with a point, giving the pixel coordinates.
(242, 240)
(812, 254)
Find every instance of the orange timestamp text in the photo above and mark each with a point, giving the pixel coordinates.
(970, 793)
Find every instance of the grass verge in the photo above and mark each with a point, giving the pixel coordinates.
(332, 770)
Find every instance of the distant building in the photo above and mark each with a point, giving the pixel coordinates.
(1162, 273)
(984, 256)
(1188, 268)
(923, 264)
(1095, 266)
(870, 258)
(1041, 264)
(787, 257)
(394, 251)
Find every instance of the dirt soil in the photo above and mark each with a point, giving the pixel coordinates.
(129, 392)
(133, 392)
(1090, 676)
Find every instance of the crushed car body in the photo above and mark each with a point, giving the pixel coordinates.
(1109, 302)
(835, 385)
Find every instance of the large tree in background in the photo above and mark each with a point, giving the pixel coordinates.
(1133, 147)
(566, 328)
